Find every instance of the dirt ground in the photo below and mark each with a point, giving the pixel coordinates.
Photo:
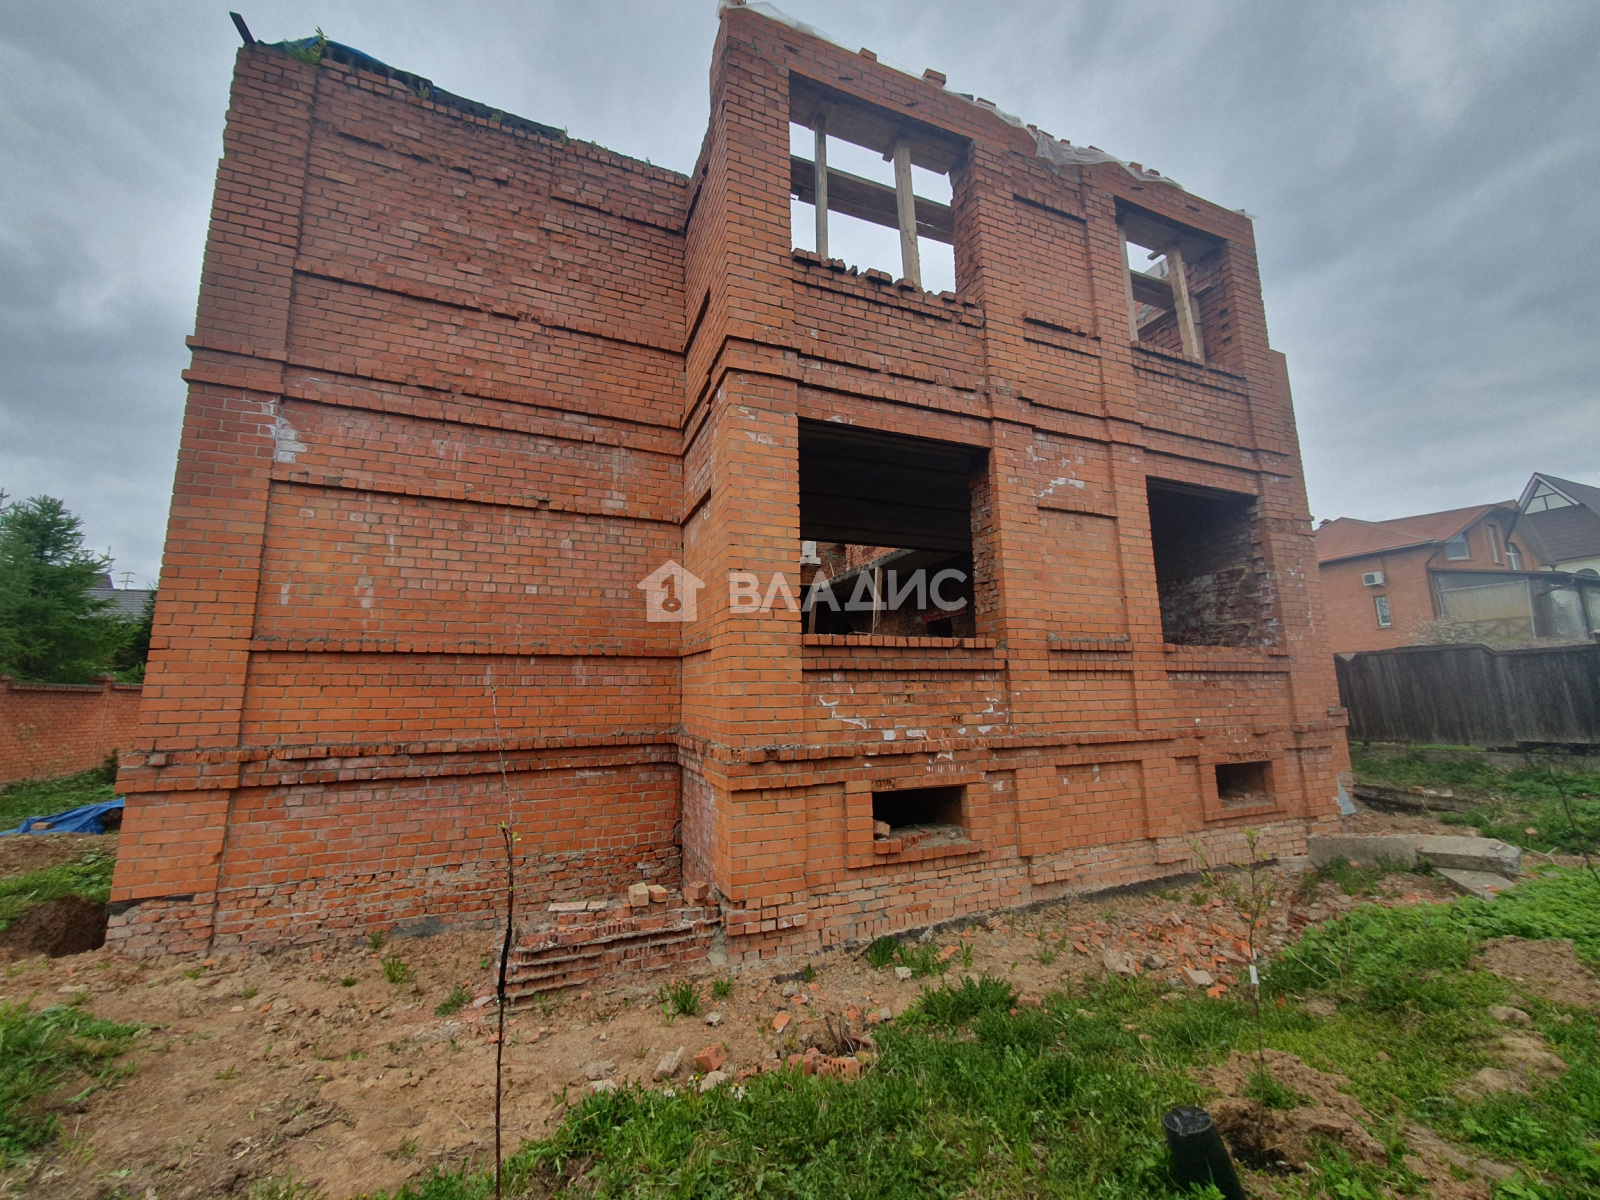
(25, 852)
(252, 1066)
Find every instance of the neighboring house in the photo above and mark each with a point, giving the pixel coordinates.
(125, 602)
(1383, 581)
(1562, 521)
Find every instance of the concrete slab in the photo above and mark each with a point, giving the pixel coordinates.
(1485, 885)
(1471, 854)
(1364, 850)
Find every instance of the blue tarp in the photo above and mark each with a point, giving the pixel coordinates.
(74, 820)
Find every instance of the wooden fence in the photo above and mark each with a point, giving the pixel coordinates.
(1473, 695)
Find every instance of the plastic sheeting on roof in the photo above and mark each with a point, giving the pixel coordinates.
(349, 56)
(1057, 151)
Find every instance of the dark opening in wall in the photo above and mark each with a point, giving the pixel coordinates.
(1206, 574)
(908, 807)
(886, 523)
(1244, 784)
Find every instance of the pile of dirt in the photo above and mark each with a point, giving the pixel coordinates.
(1330, 1114)
(65, 925)
(1287, 1134)
(1525, 1059)
(1544, 967)
(23, 853)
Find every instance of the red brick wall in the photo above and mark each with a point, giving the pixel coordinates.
(1351, 615)
(457, 388)
(50, 729)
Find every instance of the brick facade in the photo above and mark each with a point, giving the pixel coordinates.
(460, 384)
(50, 729)
(1350, 604)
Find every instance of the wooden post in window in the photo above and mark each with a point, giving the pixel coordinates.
(1127, 288)
(1188, 327)
(906, 203)
(820, 164)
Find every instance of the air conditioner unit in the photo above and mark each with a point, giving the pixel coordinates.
(1373, 579)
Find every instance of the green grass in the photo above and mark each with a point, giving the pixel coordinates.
(972, 1096)
(40, 1052)
(881, 952)
(1407, 989)
(42, 797)
(1515, 801)
(922, 958)
(1354, 880)
(453, 1003)
(89, 876)
(394, 969)
(681, 998)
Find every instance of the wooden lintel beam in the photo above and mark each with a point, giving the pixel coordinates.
(871, 201)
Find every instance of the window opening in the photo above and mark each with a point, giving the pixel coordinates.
(883, 186)
(1202, 540)
(1513, 555)
(1381, 603)
(1170, 288)
(891, 519)
(1494, 543)
(922, 815)
(1244, 784)
(1545, 498)
(1457, 549)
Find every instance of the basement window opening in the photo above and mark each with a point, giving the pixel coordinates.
(1203, 543)
(1244, 784)
(886, 529)
(883, 183)
(920, 817)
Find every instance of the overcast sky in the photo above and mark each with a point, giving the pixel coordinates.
(1423, 178)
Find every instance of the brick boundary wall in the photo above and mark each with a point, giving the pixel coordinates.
(51, 729)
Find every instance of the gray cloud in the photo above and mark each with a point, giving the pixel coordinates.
(1420, 172)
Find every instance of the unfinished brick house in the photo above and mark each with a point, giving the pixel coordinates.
(464, 391)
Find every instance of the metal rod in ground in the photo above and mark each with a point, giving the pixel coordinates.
(1199, 1155)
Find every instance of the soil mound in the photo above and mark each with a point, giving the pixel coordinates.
(65, 925)
(1547, 967)
(1287, 1133)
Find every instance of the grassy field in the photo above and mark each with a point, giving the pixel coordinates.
(1549, 808)
(973, 1097)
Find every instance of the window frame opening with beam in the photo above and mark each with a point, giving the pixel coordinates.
(828, 112)
(1164, 305)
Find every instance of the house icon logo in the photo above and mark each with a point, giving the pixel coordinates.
(669, 593)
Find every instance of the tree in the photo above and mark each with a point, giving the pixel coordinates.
(129, 661)
(51, 629)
